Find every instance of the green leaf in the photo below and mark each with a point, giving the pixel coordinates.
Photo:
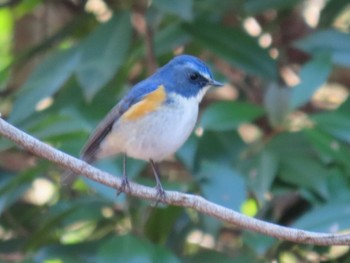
(77, 253)
(5, 144)
(276, 102)
(129, 249)
(56, 125)
(328, 148)
(26, 6)
(330, 218)
(44, 82)
(169, 38)
(258, 6)
(224, 116)
(187, 153)
(222, 185)
(12, 189)
(267, 164)
(330, 12)
(329, 41)
(160, 255)
(181, 8)
(209, 256)
(335, 122)
(298, 165)
(219, 147)
(4, 79)
(338, 185)
(234, 46)
(11, 245)
(103, 52)
(306, 172)
(6, 34)
(160, 223)
(260, 243)
(80, 212)
(47, 229)
(288, 145)
(312, 76)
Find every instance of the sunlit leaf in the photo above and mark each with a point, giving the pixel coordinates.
(6, 27)
(312, 76)
(331, 10)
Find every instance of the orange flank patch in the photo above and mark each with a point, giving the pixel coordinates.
(148, 104)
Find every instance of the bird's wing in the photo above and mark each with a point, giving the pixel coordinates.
(88, 153)
(136, 104)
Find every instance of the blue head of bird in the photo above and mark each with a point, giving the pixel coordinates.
(187, 76)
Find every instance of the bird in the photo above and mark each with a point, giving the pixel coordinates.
(155, 118)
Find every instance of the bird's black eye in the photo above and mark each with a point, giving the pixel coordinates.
(194, 76)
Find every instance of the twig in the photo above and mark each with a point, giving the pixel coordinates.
(145, 29)
(172, 198)
(151, 57)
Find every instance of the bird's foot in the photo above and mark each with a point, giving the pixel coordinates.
(161, 195)
(125, 186)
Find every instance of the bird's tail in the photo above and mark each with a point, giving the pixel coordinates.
(68, 177)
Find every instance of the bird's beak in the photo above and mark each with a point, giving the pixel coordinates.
(215, 83)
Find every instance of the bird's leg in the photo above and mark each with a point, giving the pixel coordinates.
(159, 188)
(125, 180)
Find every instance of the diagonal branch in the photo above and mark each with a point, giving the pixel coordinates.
(172, 198)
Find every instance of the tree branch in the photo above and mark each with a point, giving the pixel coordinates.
(172, 198)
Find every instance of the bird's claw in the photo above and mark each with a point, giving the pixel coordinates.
(161, 195)
(125, 186)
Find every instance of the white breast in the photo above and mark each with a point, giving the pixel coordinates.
(155, 136)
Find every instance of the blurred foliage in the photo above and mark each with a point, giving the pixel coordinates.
(273, 143)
